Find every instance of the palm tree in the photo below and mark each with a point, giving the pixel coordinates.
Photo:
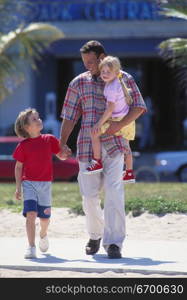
(24, 42)
(174, 50)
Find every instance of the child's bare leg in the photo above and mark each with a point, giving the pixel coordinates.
(44, 224)
(96, 145)
(129, 162)
(128, 176)
(31, 227)
(129, 159)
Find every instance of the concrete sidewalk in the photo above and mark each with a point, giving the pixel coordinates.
(146, 257)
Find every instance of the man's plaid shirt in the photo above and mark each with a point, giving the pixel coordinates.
(85, 98)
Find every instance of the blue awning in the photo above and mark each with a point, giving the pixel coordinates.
(121, 47)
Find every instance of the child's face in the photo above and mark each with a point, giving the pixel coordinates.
(34, 125)
(108, 74)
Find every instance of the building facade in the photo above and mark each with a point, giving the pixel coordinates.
(131, 30)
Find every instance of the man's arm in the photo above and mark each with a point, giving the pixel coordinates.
(132, 115)
(65, 131)
(71, 112)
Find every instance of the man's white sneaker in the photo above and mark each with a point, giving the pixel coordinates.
(44, 244)
(30, 252)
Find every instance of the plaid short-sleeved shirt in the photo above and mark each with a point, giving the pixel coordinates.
(85, 98)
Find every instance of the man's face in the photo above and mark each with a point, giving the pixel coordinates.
(91, 62)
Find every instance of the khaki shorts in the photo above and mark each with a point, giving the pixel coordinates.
(128, 132)
(37, 197)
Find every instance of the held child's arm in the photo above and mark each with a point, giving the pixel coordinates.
(18, 175)
(107, 114)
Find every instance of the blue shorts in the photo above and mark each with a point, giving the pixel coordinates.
(37, 197)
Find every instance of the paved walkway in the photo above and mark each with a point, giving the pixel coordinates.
(146, 257)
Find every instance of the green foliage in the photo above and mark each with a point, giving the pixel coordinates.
(23, 42)
(157, 198)
(175, 8)
(66, 194)
(174, 50)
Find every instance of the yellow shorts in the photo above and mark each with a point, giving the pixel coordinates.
(128, 132)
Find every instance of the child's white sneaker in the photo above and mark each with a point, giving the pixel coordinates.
(44, 244)
(30, 252)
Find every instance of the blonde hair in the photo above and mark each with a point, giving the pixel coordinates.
(22, 121)
(126, 90)
(114, 64)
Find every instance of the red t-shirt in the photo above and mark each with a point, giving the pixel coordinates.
(36, 156)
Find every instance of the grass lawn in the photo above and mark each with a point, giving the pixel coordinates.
(157, 198)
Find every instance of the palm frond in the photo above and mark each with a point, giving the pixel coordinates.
(35, 38)
(28, 43)
(174, 52)
(174, 8)
(181, 76)
(10, 75)
(174, 13)
(37, 33)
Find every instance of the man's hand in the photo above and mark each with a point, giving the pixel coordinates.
(114, 127)
(65, 152)
(134, 113)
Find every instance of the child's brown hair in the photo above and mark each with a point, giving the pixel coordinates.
(22, 121)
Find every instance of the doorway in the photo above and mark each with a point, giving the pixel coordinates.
(154, 79)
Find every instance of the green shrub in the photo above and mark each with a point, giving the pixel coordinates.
(157, 198)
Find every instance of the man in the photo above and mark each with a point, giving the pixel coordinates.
(85, 98)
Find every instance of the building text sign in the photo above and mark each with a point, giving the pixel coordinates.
(72, 10)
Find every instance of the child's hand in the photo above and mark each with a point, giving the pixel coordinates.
(64, 153)
(61, 155)
(96, 128)
(18, 194)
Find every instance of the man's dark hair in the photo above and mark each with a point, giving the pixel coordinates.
(93, 46)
